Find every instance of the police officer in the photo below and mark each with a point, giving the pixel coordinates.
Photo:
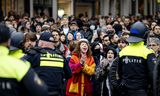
(135, 63)
(16, 45)
(50, 65)
(15, 75)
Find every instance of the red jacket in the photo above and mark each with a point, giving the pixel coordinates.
(81, 76)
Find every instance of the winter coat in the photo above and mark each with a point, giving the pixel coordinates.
(80, 84)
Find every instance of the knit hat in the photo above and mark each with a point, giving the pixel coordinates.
(83, 40)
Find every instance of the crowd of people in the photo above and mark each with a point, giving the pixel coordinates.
(81, 56)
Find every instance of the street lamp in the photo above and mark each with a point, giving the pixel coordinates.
(60, 12)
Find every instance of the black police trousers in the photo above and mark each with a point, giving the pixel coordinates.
(134, 93)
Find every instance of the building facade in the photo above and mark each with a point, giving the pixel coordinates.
(129, 7)
(87, 7)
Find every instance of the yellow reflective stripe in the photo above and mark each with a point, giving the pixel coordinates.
(57, 59)
(51, 63)
(50, 55)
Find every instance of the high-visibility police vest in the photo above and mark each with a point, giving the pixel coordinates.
(12, 72)
(17, 53)
(136, 64)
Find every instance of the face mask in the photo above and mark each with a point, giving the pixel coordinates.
(96, 52)
(92, 27)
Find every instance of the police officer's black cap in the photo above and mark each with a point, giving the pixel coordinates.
(46, 36)
(4, 33)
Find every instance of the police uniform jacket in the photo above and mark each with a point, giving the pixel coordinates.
(135, 66)
(50, 66)
(15, 75)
